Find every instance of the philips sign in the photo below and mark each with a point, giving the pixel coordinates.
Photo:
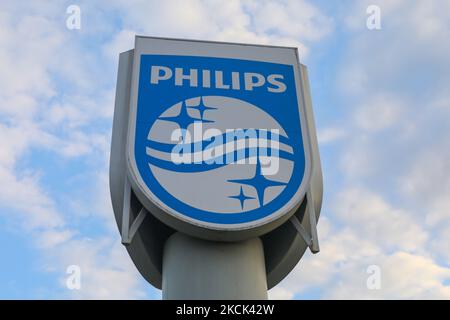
(218, 142)
(214, 141)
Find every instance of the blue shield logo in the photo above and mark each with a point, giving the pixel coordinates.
(218, 141)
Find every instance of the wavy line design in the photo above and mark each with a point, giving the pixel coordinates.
(210, 177)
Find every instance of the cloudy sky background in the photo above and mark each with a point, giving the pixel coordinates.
(382, 108)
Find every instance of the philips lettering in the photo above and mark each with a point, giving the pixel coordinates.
(204, 78)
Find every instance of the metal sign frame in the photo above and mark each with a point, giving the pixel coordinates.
(145, 239)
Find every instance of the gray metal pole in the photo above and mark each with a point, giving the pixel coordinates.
(200, 269)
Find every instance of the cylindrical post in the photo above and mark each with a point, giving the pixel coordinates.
(200, 269)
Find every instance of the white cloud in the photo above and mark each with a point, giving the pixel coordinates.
(289, 18)
(340, 269)
(24, 196)
(107, 271)
(122, 41)
(53, 237)
(330, 134)
(280, 293)
(403, 276)
(338, 250)
(292, 23)
(353, 78)
(377, 221)
(426, 184)
(427, 172)
(379, 113)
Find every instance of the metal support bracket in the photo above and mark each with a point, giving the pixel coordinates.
(128, 232)
(310, 238)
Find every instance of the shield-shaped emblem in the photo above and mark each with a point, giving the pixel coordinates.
(217, 137)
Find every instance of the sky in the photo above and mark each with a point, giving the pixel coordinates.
(381, 99)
